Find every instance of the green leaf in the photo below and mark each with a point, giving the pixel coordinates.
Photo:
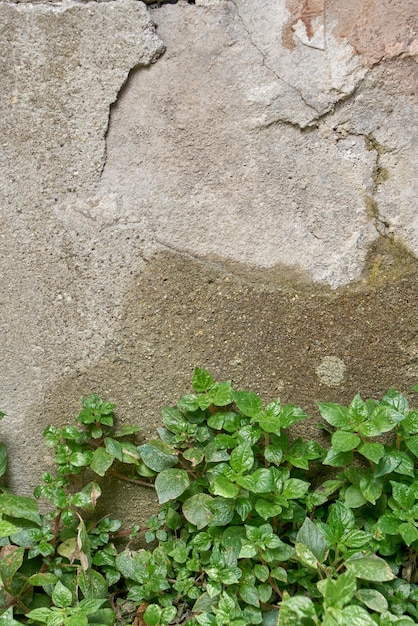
(89, 606)
(321, 493)
(126, 429)
(311, 536)
(248, 403)
(6, 617)
(197, 511)
(92, 584)
(291, 414)
(340, 520)
(170, 484)
(337, 593)
(294, 488)
(249, 594)
(194, 456)
(232, 538)
(408, 532)
(296, 610)
(158, 455)
(189, 402)
(152, 615)
(83, 545)
(275, 417)
(269, 421)
(279, 573)
(385, 418)
(222, 394)
(371, 488)
(174, 420)
(368, 429)
(410, 423)
(397, 401)
(214, 454)
(224, 487)
(389, 524)
(243, 507)
(81, 459)
(73, 620)
(369, 567)
(248, 435)
(38, 615)
(405, 465)
(387, 464)
(7, 529)
(169, 614)
(403, 494)
(242, 458)
(133, 565)
(356, 538)
(114, 448)
(21, 507)
(412, 445)
(10, 564)
(101, 461)
(335, 414)
(260, 481)
(62, 596)
(267, 509)
(358, 409)
(270, 618)
(337, 459)
(353, 615)
(306, 556)
(223, 511)
(87, 497)
(68, 548)
(102, 617)
(262, 572)
(206, 619)
(201, 380)
(231, 421)
(3, 459)
(39, 580)
(372, 451)
(273, 454)
(300, 452)
(373, 599)
(343, 441)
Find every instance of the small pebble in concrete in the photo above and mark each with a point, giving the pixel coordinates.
(331, 371)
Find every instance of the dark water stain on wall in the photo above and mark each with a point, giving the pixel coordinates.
(301, 342)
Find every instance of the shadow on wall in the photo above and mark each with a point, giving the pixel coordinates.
(303, 343)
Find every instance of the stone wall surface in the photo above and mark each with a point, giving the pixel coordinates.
(229, 184)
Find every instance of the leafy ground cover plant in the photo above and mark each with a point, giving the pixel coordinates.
(243, 534)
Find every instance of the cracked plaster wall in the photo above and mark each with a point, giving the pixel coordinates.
(152, 202)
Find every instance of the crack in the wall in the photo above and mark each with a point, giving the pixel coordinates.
(156, 4)
(317, 116)
(275, 74)
(379, 175)
(135, 68)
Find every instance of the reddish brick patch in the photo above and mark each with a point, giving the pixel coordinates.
(376, 29)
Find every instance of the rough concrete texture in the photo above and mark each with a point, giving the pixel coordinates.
(247, 204)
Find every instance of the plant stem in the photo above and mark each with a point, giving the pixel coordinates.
(135, 481)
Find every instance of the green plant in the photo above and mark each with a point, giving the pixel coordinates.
(58, 568)
(243, 535)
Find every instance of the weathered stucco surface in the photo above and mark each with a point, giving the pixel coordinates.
(244, 201)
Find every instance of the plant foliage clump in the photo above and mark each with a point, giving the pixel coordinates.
(243, 535)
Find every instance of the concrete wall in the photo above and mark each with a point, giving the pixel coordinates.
(229, 184)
